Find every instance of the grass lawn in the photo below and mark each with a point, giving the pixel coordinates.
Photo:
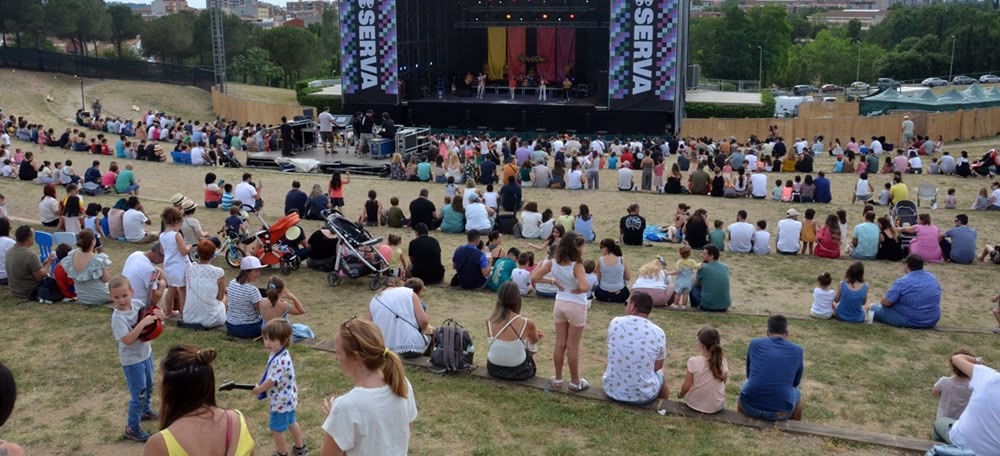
(73, 396)
(271, 94)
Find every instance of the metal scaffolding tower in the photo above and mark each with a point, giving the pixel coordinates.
(218, 43)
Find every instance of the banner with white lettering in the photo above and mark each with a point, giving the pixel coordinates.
(370, 53)
(642, 73)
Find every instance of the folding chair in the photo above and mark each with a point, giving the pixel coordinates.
(927, 192)
(64, 237)
(44, 241)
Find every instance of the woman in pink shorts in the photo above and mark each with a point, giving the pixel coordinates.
(570, 310)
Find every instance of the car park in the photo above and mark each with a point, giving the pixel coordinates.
(962, 80)
(828, 88)
(933, 82)
(887, 83)
(804, 89)
(989, 79)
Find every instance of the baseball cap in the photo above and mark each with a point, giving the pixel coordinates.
(249, 263)
(474, 198)
(792, 213)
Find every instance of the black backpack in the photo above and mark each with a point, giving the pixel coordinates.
(453, 349)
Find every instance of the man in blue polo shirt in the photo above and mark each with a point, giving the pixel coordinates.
(913, 301)
(774, 371)
(959, 243)
(865, 239)
(472, 266)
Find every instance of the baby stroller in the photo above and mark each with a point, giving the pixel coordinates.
(228, 159)
(271, 251)
(905, 214)
(358, 253)
(990, 159)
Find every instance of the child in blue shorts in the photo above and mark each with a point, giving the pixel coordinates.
(278, 383)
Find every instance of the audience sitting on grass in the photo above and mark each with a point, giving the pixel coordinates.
(704, 387)
(88, 270)
(8, 397)
(281, 303)
(850, 300)
(632, 226)
(147, 279)
(953, 390)
(978, 427)
(243, 319)
(452, 215)
(711, 286)
(612, 274)
(503, 267)
(511, 337)
(958, 244)
(637, 348)
(927, 242)
(472, 263)
(774, 372)
(25, 271)
(422, 210)
(865, 239)
(914, 300)
(425, 257)
(398, 313)
(205, 301)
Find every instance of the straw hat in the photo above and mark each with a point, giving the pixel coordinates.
(177, 199)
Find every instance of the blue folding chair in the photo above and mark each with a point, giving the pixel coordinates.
(44, 241)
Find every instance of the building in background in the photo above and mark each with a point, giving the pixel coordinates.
(167, 7)
(867, 17)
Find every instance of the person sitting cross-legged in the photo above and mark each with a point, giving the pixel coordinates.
(637, 348)
(978, 427)
(774, 372)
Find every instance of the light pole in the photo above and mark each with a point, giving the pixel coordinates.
(83, 101)
(857, 76)
(760, 68)
(951, 67)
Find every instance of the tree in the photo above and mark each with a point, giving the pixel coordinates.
(854, 30)
(238, 36)
(60, 17)
(93, 23)
(254, 66)
(125, 25)
(291, 48)
(169, 38)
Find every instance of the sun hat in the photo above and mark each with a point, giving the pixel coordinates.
(187, 205)
(249, 263)
(177, 199)
(792, 213)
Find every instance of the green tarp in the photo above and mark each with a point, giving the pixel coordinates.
(925, 100)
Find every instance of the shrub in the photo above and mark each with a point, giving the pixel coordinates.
(721, 111)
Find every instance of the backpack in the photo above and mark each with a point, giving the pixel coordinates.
(453, 349)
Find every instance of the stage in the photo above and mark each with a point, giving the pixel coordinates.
(313, 159)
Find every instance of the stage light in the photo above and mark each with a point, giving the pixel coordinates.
(508, 15)
(572, 16)
(545, 16)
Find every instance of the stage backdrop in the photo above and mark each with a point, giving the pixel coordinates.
(643, 60)
(370, 53)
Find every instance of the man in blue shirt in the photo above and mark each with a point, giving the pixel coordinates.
(774, 371)
(472, 267)
(959, 243)
(510, 195)
(296, 199)
(822, 193)
(865, 239)
(488, 172)
(913, 301)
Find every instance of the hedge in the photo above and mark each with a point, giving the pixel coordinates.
(308, 96)
(720, 111)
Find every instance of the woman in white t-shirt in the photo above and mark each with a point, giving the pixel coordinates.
(396, 310)
(375, 416)
(205, 301)
(574, 178)
(531, 221)
(704, 387)
(570, 309)
(863, 190)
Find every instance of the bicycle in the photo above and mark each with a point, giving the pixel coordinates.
(229, 247)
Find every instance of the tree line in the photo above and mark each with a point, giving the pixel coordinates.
(912, 43)
(277, 56)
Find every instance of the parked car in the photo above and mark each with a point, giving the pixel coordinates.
(962, 80)
(989, 79)
(887, 83)
(859, 85)
(827, 88)
(933, 82)
(804, 89)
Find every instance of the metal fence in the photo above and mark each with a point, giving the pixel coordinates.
(98, 68)
(729, 85)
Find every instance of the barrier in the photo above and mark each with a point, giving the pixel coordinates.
(830, 121)
(245, 110)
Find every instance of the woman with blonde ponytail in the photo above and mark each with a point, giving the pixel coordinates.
(191, 422)
(704, 387)
(376, 415)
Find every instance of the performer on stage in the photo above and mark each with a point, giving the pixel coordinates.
(512, 83)
(541, 89)
(481, 85)
(567, 84)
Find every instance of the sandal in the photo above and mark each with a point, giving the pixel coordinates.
(584, 384)
(555, 383)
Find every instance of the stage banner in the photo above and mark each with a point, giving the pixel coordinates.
(497, 44)
(545, 47)
(643, 63)
(565, 52)
(370, 51)
(516, 43)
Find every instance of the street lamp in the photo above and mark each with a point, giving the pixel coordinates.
(83, 101)
(857, 77)
(760, 68)
(951, 67)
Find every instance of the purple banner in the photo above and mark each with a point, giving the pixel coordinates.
(370, 57)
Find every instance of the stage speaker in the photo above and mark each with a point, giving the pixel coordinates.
(586, 122)
(524, 120)
(540, 119)
(468, 118)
